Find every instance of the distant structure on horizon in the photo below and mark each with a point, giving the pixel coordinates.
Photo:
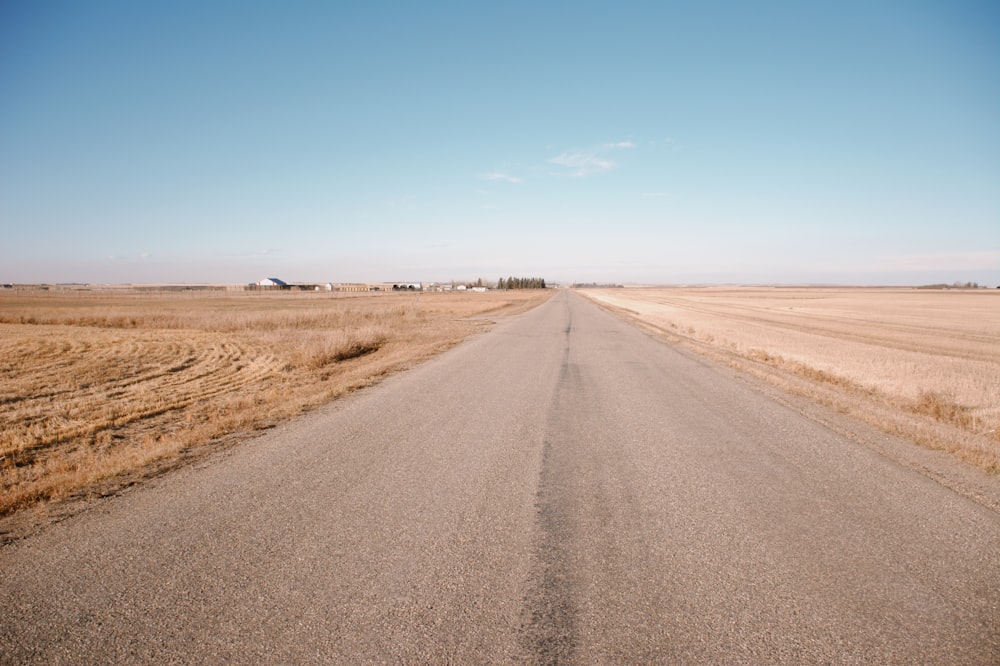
(273, 283)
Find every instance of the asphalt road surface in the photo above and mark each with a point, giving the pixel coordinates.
(562, 489)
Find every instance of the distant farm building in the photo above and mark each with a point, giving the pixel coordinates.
(273, 283)
(359, 286)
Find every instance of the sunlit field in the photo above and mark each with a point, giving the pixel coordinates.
(98, 389)
(924, 364)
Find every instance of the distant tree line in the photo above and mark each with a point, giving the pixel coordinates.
(953, 285)
(521, 283)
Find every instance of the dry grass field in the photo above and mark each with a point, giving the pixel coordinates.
(98, 389)
(923, 364)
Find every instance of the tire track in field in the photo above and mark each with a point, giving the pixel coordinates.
(56, 391)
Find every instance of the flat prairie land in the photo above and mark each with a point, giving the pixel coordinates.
(99, 389)
(923, 364)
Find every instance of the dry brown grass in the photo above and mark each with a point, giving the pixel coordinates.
(98, 389)
(921, 364)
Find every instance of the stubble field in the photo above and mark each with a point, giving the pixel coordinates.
(922, 364)
(99, 389)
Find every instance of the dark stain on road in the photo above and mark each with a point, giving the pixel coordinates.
(549, 632)
(550, 627)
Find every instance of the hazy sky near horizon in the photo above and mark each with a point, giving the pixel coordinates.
(847, 142)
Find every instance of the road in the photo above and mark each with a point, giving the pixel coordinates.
(562, 489)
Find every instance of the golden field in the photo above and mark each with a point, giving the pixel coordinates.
(923, 364)
(98, 388)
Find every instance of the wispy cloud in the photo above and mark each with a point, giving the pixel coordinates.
(499, 176)
(576, 163)
(406, 202)
(583, 163)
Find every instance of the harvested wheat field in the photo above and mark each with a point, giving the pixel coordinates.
(98, 389)
(922, 364)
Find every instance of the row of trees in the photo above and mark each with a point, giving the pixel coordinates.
(954, 285)
(521, 283)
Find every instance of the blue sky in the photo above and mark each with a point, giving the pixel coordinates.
(799, 142)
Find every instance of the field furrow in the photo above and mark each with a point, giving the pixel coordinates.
(861, 329)
(116, 381)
